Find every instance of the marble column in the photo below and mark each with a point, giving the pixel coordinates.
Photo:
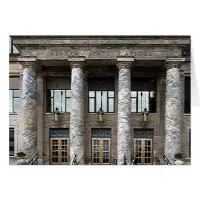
(172, 110)
(77, 113)
(29, 111)
(124, 113)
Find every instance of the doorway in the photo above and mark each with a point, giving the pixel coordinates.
(101, 142)
(59, 146)
(143, 148)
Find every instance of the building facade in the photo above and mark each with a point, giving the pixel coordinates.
(100, 100)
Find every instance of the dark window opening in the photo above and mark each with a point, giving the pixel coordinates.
(187, 95)
(11, 141)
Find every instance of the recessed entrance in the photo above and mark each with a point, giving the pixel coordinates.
(59, 146)
(143, 146)
(101, 141)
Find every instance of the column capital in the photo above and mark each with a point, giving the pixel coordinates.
(124, 62)
(173, 63)
(76, 62)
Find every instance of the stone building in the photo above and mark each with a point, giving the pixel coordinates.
(99, 99)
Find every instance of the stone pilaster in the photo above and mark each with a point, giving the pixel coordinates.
(124, 112)
(77, 113)
(172, 110)
(40, 116)
(29, 110)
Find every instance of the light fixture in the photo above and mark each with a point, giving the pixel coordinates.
(56, 115)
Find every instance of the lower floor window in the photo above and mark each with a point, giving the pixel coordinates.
(11, 141)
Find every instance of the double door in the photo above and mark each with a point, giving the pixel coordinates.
(59, 151)
(101, 151)
(143, 151)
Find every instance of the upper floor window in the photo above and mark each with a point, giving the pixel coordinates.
(187, 95)
(11, 141)
(12, 48)
(14, 101)
(143, 94)
(101, 94)
(60, 99)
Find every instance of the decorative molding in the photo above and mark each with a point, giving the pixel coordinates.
(101, 132)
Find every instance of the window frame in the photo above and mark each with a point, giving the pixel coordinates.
(13, 97)
(107, 100)
(149, 91)
(49, 99)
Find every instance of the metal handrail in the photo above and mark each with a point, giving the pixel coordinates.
(33, 160)
(166, 160)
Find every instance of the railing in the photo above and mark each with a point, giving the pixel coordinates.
(33, 160)
(75, 162)
(166, 160)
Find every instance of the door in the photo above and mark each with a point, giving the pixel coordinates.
(100, 151)
(59, 146)
(143, 140)
(143, 151)
(101, 142)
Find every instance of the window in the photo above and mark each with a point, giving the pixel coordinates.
(60, 99)
(101, 94)
(101, 99)
(11, 141)
(12, 48)
(187, 95)
(14, 101)
(143, 94)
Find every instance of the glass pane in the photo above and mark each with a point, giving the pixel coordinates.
(52, 91)
(16, 93)
(104, 101)
(91, 94)
(68, 93)
(57, 99)
(133, 104)
(98, 100)
(62, 101)
(111, 104)
(52, 108)
(10, 100)
(68, 101)
(91, 104)
(16, 104)
(152, 94)
(111, 94)
(139, 102)
(133, 94)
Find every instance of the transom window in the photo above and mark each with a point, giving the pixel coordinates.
(14, 101)
(11, 141)
(60, 99)
(143, 94)
(101, 99)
